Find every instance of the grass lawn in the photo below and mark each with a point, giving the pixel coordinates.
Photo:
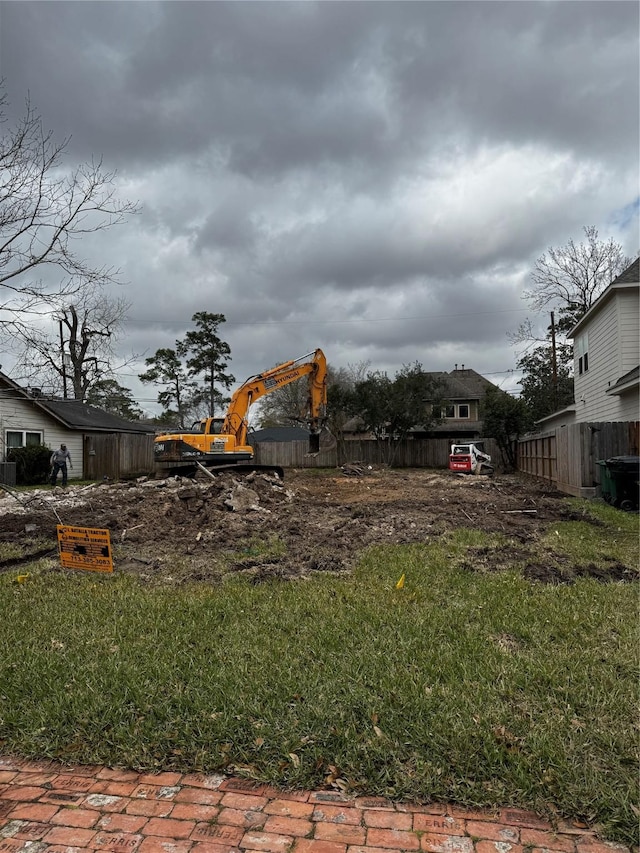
(472, 687)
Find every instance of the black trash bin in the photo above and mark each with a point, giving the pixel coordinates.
(621, 481)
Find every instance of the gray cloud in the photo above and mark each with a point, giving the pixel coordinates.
(376, 178)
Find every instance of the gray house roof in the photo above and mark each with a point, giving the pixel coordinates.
(462, 384)
(78, 415)
(74, 414)
(631, 275)
(628, 382)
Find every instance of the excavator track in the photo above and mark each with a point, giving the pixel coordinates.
(243, 468)
(240, 468)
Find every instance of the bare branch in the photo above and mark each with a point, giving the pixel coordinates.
(573, 276)
(75, 343)
(43, 210)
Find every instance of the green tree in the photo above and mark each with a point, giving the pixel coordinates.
(166, 369)
(506, 418)
(109, 395)
(544, 392)
(341, 405)
(208, 355)
(391, 408)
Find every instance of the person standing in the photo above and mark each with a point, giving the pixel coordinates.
(59, 459)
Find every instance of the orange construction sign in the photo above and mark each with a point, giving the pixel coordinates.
(86, 548)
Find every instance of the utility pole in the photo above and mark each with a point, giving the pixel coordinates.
(64, 366)
(554, 364)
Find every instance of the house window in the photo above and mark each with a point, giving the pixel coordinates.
(22, 438)
(463, 410)
(449, 411)
(581, 352)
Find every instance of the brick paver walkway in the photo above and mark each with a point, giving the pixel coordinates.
(50, 808)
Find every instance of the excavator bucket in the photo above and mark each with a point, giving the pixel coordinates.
(323, 440)
(327, 439)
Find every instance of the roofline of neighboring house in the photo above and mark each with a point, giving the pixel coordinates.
(146, 429)
(453, 424)
(613, 288)
(566, 411)
(23, 393)
(41, 403)
(626, 383)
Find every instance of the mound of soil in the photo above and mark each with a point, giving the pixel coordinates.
(177, 530)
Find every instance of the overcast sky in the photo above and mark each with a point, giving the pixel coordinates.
(375, 179)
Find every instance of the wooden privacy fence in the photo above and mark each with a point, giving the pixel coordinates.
(117, 455)
(567, 457)
(410, 453)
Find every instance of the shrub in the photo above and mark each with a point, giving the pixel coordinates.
(32, 464)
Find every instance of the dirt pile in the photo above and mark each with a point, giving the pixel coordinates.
(178, 530)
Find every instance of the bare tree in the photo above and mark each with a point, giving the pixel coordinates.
(43, 209)
(572, 277)
(76, 348)
(569, 279)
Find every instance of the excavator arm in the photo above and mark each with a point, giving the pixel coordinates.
(313, 365)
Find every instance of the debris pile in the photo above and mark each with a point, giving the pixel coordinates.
(179, 530)
(356, 469)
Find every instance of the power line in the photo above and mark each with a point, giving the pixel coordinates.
(348, 322)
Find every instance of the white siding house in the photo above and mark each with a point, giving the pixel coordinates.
(22, 423)
(27, 417)
(606, 345)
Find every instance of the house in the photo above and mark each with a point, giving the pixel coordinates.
(100, 444)
(606, 353)
(603, 420)
(463, 391)
(559, 418)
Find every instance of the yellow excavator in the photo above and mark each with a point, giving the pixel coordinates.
(221, 443)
